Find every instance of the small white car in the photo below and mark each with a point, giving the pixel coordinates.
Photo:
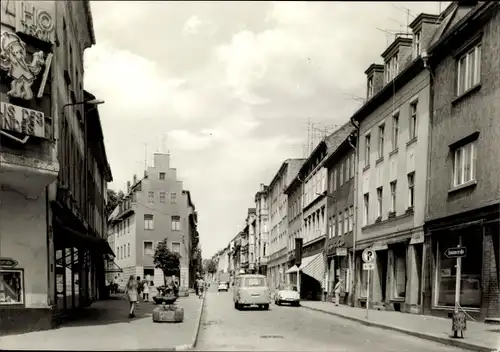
(287, 293)
(223, 286)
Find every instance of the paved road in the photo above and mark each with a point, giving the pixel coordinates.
(295, 329)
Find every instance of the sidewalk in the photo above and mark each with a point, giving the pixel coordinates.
(478, 336)
(106, 326)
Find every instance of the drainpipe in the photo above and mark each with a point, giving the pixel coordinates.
(355, 225)
(425, 59)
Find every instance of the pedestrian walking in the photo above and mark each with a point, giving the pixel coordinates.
(145, 291)
(139, 286)
(337, 289)
(132, 294)
(200, 285)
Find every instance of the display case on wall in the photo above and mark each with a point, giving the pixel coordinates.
(11, 287)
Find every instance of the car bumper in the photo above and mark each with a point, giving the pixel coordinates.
(255, 300)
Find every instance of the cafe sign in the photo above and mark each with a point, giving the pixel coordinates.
(22, 120)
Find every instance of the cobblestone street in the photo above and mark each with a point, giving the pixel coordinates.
(223, 328)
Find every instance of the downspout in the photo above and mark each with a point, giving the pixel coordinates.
(425, 59)
(355, 225)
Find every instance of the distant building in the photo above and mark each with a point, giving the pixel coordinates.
(262, 229)
(155, 208)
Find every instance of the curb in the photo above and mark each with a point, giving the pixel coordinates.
(192, 345)
(443, 340)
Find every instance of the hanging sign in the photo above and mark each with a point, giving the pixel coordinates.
(22, 120)
(8, 262)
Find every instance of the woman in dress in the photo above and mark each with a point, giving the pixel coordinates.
(131, 292)
(145, 291)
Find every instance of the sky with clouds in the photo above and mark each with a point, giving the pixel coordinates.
(228, 87)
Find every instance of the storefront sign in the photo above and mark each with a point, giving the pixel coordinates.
(8, 262)
(34, 22)
(22, 120)
(15, 63)
(456, 252)
(342, 252)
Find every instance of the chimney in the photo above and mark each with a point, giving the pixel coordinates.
(135, 179)
(128, 187)
(375, 80)
(262, 186)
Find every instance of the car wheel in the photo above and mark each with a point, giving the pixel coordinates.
(278, 303)
(266, 306)
(236, 305)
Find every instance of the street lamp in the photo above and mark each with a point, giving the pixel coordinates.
(85, 102)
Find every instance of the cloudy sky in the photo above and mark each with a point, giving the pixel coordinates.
(228, 88)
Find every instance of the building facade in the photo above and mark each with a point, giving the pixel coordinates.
(262, 229)
(278, 210)
(393, 150)
(340, 205)
(155, 208)
(294, 193)
(464, 186)
(47, 132)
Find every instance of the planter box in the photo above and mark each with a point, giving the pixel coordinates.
(162, 315)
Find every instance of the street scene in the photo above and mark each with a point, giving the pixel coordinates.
(287, 328)
(234, 176)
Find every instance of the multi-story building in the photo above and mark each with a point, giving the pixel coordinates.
(223, 260)
(278, 210)
(390, 190)
(463, 194)
(341, 165)
(313, 179)
(262, 229)
(251, 224)
(194, 238)
(53, 166)
(294, 194)
(155, 208)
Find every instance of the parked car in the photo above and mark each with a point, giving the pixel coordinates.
(287, 293)
(223, 286)
(251, 290)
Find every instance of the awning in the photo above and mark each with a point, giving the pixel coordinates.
(314, 266)
(292, 270)
(112, 267)
(75, 238)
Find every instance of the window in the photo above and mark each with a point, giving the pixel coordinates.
(395, 131)
(334, 226)
(379, 202)
(341, 174)
(469, 70)
(393, 196)
(162, 197)
(413, 120)
(176, 223)
(366, 199)
(341, 224)
(417, 43)
(470, 290)
(149, 222)
(411, 189)
(353, 161)
(176, 247)
(351, 216)
(399, 286)
(128, 225)
(347, 169)
(381, 131)
(346, 221)
(173, 198)
(162, 175)
(128, 250)
(370, 87)
(367, 149)
(463, 164)
(151, 197)
(334, 177)
(11, 287)
(148, 248)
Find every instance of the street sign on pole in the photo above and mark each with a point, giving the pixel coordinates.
(367, 292)
(368, 266)
(456, 252)
(368, 255)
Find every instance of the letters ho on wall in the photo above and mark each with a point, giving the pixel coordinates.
(20, 71)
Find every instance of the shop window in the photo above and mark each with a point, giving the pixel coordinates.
(11, 287)
(470, 291)
(399, 253)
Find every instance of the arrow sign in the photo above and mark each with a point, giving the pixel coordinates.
(456, 252)
(8, 262)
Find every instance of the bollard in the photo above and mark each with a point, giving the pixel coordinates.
(458, 324)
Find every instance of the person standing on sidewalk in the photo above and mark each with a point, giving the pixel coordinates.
(338, 287)
(132, 294)
(145, 291)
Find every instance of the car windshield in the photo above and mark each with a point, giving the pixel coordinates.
(254, 281)
(288, 288)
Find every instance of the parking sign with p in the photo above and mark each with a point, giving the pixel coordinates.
(368, 255)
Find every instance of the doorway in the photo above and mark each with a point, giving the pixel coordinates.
(382, 272)
(418, 265)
